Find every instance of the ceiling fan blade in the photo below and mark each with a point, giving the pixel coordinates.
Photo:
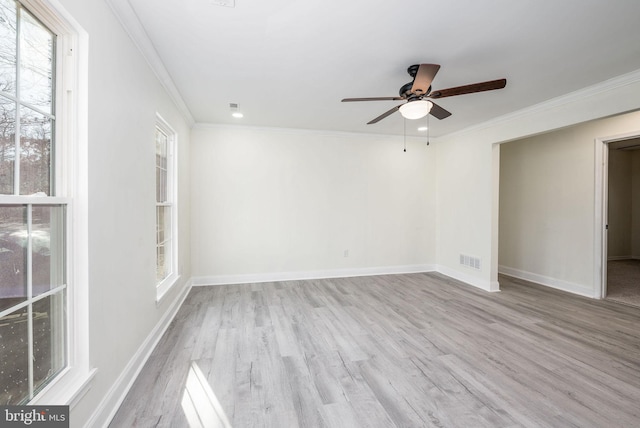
(438, 112)
(469, 89)
(383, 115)
(424, 76)
(346, 100)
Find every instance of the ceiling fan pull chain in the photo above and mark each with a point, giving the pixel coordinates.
(404, 121)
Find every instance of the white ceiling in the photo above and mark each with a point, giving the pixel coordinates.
(288, 63)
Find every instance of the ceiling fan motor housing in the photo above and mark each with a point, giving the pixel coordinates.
(413, 70)
(405, 91)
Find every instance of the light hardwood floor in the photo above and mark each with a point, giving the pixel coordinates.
(391, 351)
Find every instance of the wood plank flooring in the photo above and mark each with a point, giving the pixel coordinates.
(416, 350)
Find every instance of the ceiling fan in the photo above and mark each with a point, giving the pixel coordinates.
(416, 92)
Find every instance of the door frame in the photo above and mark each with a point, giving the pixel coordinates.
(601, 209)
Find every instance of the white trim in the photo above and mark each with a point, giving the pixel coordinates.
(490, 286)
(558, 284)
(302, 275)
(131, 24)
(71, 186)
(172, 196)
(77, 84)
(34, 200)
(163, 288)
(600, 256)
(112, 400)
(68, 390)
(601, 168)
(563, 100)
(495, 217)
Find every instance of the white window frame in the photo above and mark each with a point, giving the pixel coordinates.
(165, 285)
(70, 181)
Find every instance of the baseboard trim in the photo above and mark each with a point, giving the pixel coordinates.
(490, 286)
(302, 275)
(613, 258)
(108, 407)
(559, 284)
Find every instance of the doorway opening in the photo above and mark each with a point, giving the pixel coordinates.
(620, 220)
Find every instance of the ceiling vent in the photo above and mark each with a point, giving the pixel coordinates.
(227, 3)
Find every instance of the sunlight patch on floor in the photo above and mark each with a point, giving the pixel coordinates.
(200, 405)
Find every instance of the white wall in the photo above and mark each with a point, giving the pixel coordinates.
(124, 96)
(278, 204)
(467, 193)
(547, 197)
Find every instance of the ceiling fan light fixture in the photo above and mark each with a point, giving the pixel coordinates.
(415, 109)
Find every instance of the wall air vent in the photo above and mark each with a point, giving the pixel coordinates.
(470, 261)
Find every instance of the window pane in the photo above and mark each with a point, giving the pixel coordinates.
(7, 145)
(161, 166)
(163, 222)
(161, 185)
(35, 152)
(13, 255)
(8, 46)
(36, 63)
(160, 267)
(14, 360)
(48, 245)
(49, 356)
(160, 225)
(161, 147)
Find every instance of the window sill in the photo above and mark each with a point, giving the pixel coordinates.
(165, 286)
(67, 389)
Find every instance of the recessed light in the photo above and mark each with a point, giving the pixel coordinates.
(237, 115)
(422, 128)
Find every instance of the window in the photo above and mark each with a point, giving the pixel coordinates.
(33, 229)
(37, 179)
(166, 222)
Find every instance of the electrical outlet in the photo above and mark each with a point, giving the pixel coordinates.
(346, 253)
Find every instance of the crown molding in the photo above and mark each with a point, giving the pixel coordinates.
(580, 95)
(131, 23)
